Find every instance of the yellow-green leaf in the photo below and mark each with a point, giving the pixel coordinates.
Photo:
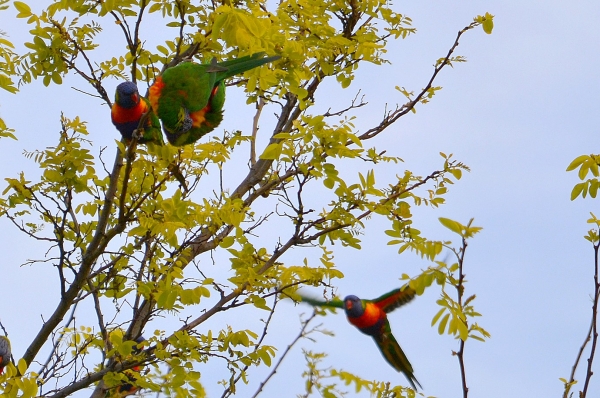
(271, 152)
(24, 9)
(22, 366)
(451, 225)
(443, 322)
(577, 161)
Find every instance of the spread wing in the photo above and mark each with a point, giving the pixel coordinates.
(394, 299)
(335, 303)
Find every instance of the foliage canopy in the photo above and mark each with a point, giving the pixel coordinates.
(129, 245)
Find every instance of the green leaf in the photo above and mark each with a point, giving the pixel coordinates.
(486, 21)
(452, 225)
(442, 325)
(272, 152)
(227, 242)
(437, 316)
(22, 366)
(593, 188)
(265, 357)
(594, 167)
(577, 190)
(162, 49)
(488, 26)
(24, 9)
(577, 161)
(456, 173)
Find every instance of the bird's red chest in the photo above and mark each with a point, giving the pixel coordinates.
(372, 315)
(124, 115)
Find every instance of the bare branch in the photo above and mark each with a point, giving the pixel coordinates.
(393, 116)
(300, 335)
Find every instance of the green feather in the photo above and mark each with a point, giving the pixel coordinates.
(394, 355)
(394, 299)
(236, 66)
(152, 132)
(334, 303)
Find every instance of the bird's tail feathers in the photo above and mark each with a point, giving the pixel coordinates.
(394, 355)
(240, 65)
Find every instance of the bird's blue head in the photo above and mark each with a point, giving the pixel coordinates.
(353, 306)
(127, 95)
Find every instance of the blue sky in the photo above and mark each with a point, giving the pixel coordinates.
(523, 106)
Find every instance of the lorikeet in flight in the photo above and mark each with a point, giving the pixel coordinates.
(188, 98)
(4, 352)
(369, 316)
(127, 111)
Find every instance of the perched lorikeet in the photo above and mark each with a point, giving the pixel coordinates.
(369, 316)
(4, 352)
(188, 98)
(127, 111)
(128, 388)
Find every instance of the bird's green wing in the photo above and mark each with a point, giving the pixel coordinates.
(394, 355)
(152, 131)
(394, 299)
(335, 303)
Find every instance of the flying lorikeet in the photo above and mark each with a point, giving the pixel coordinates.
(188, 98)
(4, 352)
(127, 111)
(369, 316)
(128, 388)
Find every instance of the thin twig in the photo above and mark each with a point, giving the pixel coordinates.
(287, 350)
(393, 116)
(460, 290)
(228, 391)
(590, 360)
(42, 370)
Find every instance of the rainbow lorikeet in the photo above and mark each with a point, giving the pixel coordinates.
(4, 352)
(129, 387)
(128, 109)
(126, 113)
(369, 316)
(188, 98)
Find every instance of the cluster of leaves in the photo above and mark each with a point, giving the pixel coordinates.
(126, 237)
(325, 381)
(585, 164)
